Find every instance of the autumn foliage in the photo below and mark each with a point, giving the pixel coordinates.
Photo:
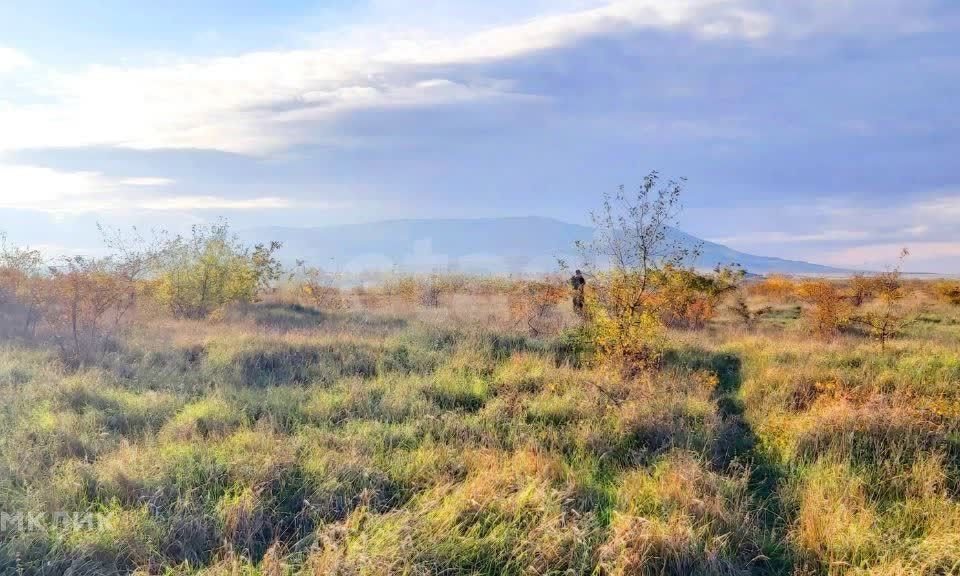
(829, 310)
(776, 287)
(80, 303)
(198, 275)
(533, 305)
(949, 291)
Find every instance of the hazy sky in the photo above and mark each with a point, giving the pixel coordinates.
(826, 130)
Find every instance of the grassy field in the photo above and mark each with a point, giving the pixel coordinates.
(397, 438)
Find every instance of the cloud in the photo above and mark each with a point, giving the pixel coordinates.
(703, 18)
(147, 181)
(192, 203)
(883, 255)
(250, 104)
(263, 102)
(12, 60)
(867, 234)
(48, 190)
(43, 189)
(788, 238)
(943, 207)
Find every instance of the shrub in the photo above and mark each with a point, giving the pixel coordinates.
(79, 303)
(862, 289)
(200, 274)
(886, 319)
(775, 286)
(319, 289)
(688, 299)
(533, 305)
(21, 289)
(742, 311)
(88, 299)
(948, 291)
(828, 311)
(624, 335)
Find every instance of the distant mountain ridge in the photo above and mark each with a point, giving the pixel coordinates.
(481, 245)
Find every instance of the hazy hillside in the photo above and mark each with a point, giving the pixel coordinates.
(512, 245)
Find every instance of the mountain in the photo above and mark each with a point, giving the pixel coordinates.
(482, 245)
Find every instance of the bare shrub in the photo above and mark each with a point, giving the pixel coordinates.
(21, 289)
(744, 313)
(887, 317)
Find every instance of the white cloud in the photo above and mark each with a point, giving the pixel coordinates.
(870, 235)
(250, 104)
(882, 255)
(47, 190)
(42, 189)
(12, 60)
(703, 18)
(147, 181)
(261, 102)
(191, 203)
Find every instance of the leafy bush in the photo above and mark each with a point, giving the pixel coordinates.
(200, 274)
(688, 299)
(21, 289)
(626, 333)
(948, 291)
(775, 286)
(829, 311)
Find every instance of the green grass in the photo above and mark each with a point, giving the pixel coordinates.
(289, 441)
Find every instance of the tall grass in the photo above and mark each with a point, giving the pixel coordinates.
(404, 438)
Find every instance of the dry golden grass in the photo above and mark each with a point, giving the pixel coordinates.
(427, 433)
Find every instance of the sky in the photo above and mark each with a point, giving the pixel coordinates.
(823, 130)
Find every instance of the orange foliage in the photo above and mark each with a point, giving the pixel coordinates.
(829, 310)
(776, 287)
(534, 304)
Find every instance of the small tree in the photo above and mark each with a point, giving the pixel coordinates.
(829, 311)
(87, 300)
(21, 288)
(633, 241)
(688, 299)
(747, 315)
(79, 302)
(886, 318)
(862, 289)
(200, 274)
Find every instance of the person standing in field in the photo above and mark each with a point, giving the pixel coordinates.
(578, 282)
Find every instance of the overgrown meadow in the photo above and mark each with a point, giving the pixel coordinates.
(185, 406)
(423, 427)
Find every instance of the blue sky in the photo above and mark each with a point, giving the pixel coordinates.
(813, 129)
